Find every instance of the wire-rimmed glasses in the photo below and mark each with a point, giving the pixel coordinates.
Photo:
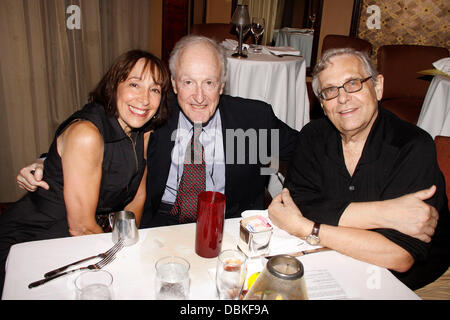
(351, 86)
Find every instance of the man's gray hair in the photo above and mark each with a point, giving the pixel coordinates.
(329, 54)
(194, 39)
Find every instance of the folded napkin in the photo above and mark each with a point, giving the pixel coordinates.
(443, 65)
(295, 30)
(287, 29)
(281, 50)
(231, 44)
(281, 241)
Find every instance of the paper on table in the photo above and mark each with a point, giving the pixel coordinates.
(281, 242)
(281, 50)
(321, 285)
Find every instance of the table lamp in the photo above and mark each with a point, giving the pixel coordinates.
(240, 18)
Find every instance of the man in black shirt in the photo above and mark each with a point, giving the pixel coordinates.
(356, 168)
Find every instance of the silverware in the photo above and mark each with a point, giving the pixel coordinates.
(283, 55)
(304, 252)
(94, 266)
(113, 250)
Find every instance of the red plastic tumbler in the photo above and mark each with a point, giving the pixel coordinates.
(210, 220)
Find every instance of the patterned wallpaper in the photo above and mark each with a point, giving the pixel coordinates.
(422, 22)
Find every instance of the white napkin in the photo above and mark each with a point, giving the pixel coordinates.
(231, 44)
(287, 29)
(281, 50)
(281, 241)
(443, 65)
(297, 30)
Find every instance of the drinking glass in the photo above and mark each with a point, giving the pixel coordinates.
(94, 285)
(172, 278)
(210, 222)
(257, 29)
(230, 274)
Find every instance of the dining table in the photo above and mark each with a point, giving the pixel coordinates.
(301, 39)
(278, 81)
(328, 274)
(435, 113)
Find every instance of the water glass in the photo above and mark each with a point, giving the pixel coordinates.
(257, 28)
(230, 274)
(94, 285)
(172, 278)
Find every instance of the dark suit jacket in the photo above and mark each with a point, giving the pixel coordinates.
(244, 185)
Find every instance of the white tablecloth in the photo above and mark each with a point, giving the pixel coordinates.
(281, 82)
(134, 267)
(297, 40)
(435, 114)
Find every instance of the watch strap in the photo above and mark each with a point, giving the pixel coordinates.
(315, 230)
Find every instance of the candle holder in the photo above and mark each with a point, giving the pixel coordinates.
(240, 18)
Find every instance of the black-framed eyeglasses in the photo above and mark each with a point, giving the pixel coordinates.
(351, 86)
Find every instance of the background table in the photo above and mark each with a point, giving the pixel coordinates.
(134, 268)
(295, 39)
(281, 82)
(435, 114)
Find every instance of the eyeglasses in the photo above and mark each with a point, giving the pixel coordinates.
(351, 86)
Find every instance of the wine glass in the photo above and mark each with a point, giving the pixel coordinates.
(257, 29)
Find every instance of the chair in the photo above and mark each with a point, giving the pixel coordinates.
(332, 41)
(443, 157)
(404, 90)
(218, 31)
(440, 288)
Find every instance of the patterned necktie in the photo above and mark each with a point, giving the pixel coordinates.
(193, 181)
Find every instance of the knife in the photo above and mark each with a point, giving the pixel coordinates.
(302, 253)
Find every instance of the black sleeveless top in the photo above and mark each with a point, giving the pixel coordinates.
(122, 168)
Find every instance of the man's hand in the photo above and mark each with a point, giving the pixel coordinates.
(284, 213)
(410, 215)
(30, 177)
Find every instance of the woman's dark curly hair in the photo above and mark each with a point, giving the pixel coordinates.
(106, 91)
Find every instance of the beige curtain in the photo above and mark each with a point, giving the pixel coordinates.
(266, 9)
(47, 69)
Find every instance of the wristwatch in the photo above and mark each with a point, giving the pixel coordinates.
(313, 239)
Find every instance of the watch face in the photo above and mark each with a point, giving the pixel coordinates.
(312, 240)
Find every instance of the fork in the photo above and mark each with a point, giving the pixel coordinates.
(114, 249)
(94, 266)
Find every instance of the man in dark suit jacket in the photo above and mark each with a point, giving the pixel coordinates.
(244, 183)
(198, 73)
